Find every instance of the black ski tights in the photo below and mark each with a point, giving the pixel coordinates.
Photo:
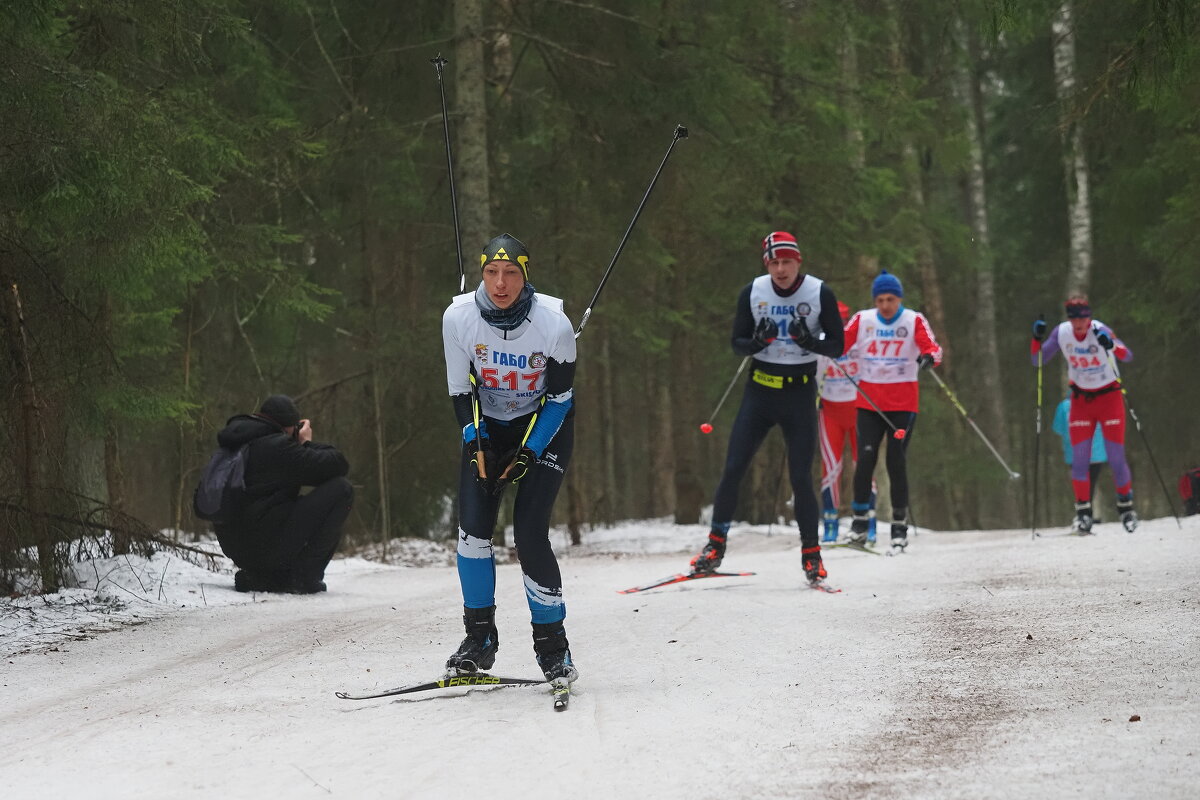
(871, 432)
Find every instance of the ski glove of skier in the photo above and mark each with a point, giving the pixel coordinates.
(517, 470)
(1104, 339)
(765, 332)
(1039, 329)
(477, 452)
(924, 361)
(798, 330)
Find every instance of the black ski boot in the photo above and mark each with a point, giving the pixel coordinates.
(477, 651)
(553, 654)
(1129, 517)
(899, 530)
(860, 526)
(814, 568)
(712, 555)
(1083, 519)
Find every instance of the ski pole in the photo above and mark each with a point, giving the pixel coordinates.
(1145, 442)
(439, 62)
(706, 427)
(480, 464)
(897, 433)
(1037, 444)
(680, 133)
(953, 399)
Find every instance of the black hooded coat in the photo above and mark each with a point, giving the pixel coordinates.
(277, 466)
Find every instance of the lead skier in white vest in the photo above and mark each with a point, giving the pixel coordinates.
(510, 370)
(784, 319)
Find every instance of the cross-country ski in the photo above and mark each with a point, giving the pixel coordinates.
(682, 577)
(481, 679)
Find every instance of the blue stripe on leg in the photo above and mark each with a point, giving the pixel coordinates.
(545, 605)
(476, 571)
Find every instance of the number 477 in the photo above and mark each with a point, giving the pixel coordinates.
(492, 378)
(881, 348)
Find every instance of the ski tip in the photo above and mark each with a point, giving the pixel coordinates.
(342, 695)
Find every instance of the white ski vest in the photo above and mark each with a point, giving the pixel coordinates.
(888, 352)
(510, 366)
(835, 386)
(804, 304)
(1088, 366)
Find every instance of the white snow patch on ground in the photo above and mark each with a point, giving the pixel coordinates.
(980, 664)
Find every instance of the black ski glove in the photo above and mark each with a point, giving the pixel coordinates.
(798, 330)
(924, 361)
(517, 470)
(1039, 329)
(765, 332)
(1104, 339)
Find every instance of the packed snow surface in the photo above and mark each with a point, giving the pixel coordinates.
(979, 664)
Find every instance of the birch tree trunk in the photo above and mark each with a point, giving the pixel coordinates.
(990, 390)
(471, 161)
(1075, 167)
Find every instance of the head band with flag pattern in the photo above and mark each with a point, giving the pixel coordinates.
(780, 244)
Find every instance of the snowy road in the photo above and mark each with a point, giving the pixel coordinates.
(979, 665)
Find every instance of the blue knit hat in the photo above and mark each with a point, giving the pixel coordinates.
(886, 283)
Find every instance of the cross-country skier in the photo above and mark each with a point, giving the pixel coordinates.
(510, 368)
(784, 319)
(893, 343)
(1088, 346)
(838, 420)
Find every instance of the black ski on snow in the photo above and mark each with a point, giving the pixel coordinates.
(683, 577)
(446, 682)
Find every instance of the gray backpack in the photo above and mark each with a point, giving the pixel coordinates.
(221, 492)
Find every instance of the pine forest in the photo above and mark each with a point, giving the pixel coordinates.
(206, 202)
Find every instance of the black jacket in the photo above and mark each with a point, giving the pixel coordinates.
(276, 467)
